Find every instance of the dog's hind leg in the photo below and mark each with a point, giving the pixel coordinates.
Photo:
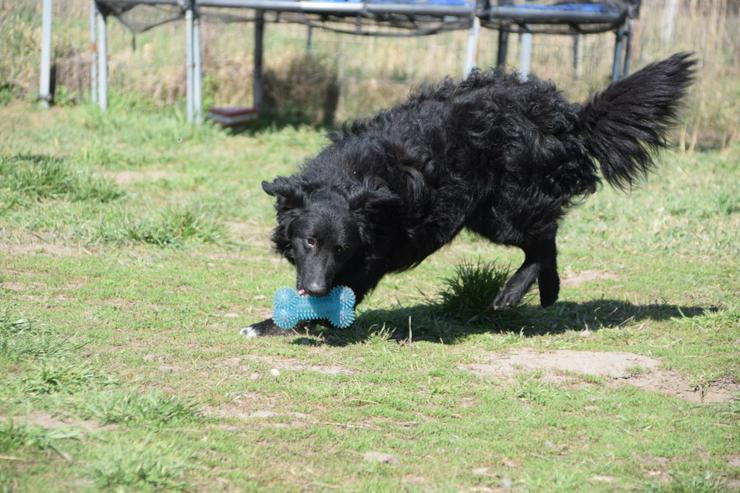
(548, 280)
(539, 264)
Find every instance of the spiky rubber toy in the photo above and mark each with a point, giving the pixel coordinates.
(289, 308)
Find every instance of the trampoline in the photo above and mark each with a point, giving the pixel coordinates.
(354, 17)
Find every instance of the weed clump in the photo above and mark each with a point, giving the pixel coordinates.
(174, 227)
(140, 467)
(153, 408)
(470, 291)
(39, 177)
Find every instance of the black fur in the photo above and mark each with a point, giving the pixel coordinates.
(493, 154)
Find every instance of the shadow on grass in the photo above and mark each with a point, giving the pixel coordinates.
(274, 123)
(427, 322)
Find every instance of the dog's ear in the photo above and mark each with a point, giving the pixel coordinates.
(288, 193)
(373, 201)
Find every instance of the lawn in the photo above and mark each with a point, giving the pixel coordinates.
(133, 247)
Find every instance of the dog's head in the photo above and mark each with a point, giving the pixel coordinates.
(325, 231)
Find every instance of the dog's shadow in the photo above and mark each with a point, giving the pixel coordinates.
(429, 323)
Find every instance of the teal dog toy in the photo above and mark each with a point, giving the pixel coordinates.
(289, 308)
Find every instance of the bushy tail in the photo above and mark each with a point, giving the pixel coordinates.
(628, 120)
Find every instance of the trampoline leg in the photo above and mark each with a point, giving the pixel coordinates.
(471, 55)
(503, 48)
(627, 49)
(197, 72)
(189, 61)
(578, 55)
(102, 56)
(525, 55)
(94, 54)
(259, 34)
(45, 77)
(618, 45)
(309, 39)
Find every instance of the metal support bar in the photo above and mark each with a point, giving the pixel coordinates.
(627, 48)
(525, 54)
(259, 35)
(618, 48)
(578, 55)
(102, 56)
(189, 62)
(309, 39)
(471, 55)
(503, 48)
(197, 72)
(45, 75)
(93, 54)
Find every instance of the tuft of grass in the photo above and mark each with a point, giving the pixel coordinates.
(129, 407)
(20, 338)
(61, 377)
(140, 467)
(472, 288)
(14, 436)
(40, 177)
(706, 483)
(173, 227)
(176, 227)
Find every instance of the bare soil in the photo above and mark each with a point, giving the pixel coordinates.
(620, 368)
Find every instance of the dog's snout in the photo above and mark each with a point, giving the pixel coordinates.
(316, 289)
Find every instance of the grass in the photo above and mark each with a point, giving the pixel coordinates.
(43, 177)
(119, 326)
(469, 292)
(144, 467)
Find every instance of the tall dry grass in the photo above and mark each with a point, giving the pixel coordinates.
(376, 72)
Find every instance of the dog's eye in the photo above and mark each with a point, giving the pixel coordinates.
(339, 250)
(310, 242)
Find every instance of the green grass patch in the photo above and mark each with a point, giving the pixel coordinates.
(173, 227)
(62, 377)
(127, 314)
(149, 409)
(14, 436)
(21, 339)
(472, 288)
(142, 467)
(38, 177)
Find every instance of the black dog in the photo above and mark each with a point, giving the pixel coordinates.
(499, 156)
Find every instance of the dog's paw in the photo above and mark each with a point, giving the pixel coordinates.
(505, 300)
(264, 328)
(249, 332)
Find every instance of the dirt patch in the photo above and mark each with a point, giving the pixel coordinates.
(576, 279)
(27, 243)
(289, 364)
(239, 411)
(253, 407)
(620, 368)
(381, 458)
(127, 177)
(46, 420)
(38, 248)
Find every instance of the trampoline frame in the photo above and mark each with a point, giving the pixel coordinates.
(507, 19)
